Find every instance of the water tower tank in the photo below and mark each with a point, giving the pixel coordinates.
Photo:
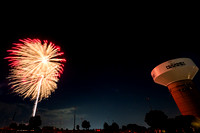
(177, 75)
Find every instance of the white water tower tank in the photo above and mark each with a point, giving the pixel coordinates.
(177, 75)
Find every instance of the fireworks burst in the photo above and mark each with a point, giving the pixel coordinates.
(35, 68)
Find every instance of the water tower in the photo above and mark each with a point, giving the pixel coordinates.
(177, 75)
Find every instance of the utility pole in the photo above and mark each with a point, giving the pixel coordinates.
(75, 119)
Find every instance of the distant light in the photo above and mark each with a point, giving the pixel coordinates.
(98, 130)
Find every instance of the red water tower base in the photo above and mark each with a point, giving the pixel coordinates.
(186, 96)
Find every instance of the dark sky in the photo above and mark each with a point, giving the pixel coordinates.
(110, 54)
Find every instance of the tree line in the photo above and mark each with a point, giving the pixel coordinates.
(156, 119)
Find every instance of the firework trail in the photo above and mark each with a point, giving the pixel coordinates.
(35, 69)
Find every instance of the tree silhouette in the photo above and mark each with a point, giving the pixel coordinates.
(171, 125)
(114, 126)
(124, 128)
(86, 124)
(135, 128)
(35, 122)
(77, 127)
(13, 125)
(105, 126)
(22, 127)
(184, 122)
(156, 119)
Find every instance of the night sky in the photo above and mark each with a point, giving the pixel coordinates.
(110, 55)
